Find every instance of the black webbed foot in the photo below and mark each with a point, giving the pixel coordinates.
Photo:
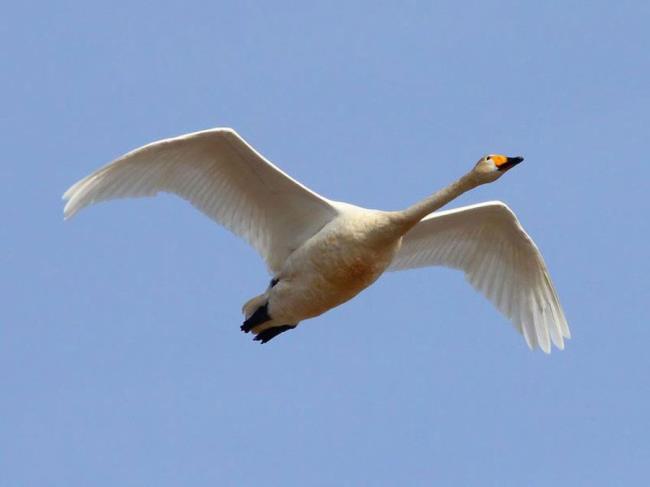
(261, 315)
(271, 333)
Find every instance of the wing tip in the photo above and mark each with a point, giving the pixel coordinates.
(547, 348)
(68, 211)
(71, 206)
(566, 332)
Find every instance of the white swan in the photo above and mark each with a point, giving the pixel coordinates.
(322, 253)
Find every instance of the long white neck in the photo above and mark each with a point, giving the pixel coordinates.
(413, 214)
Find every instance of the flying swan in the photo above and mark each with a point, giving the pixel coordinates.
(321, 253)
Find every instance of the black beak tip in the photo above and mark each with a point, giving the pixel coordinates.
(510, 163)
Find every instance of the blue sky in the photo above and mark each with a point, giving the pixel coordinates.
(121, 359)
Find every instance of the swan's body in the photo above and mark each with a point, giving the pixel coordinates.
(322, 253)
(342, 259)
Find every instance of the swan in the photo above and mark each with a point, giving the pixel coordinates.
(321, 253)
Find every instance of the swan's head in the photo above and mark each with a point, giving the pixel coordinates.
(493, 166)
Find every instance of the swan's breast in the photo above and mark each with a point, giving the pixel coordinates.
(344, 258)
(348, 261)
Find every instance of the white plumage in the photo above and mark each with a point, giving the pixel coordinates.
(321, 252)
(224, 177)
(498, 258)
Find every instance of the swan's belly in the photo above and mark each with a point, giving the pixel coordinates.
(329, 271)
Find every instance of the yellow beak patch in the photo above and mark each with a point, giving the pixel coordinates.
(499, 159)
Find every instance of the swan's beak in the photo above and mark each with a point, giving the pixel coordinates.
(509, 163)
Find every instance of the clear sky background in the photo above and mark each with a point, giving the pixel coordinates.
(121, 359)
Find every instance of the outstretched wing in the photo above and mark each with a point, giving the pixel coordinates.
(487, 242)
(224, 177)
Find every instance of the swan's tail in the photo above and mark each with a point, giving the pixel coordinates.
(253, 304)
